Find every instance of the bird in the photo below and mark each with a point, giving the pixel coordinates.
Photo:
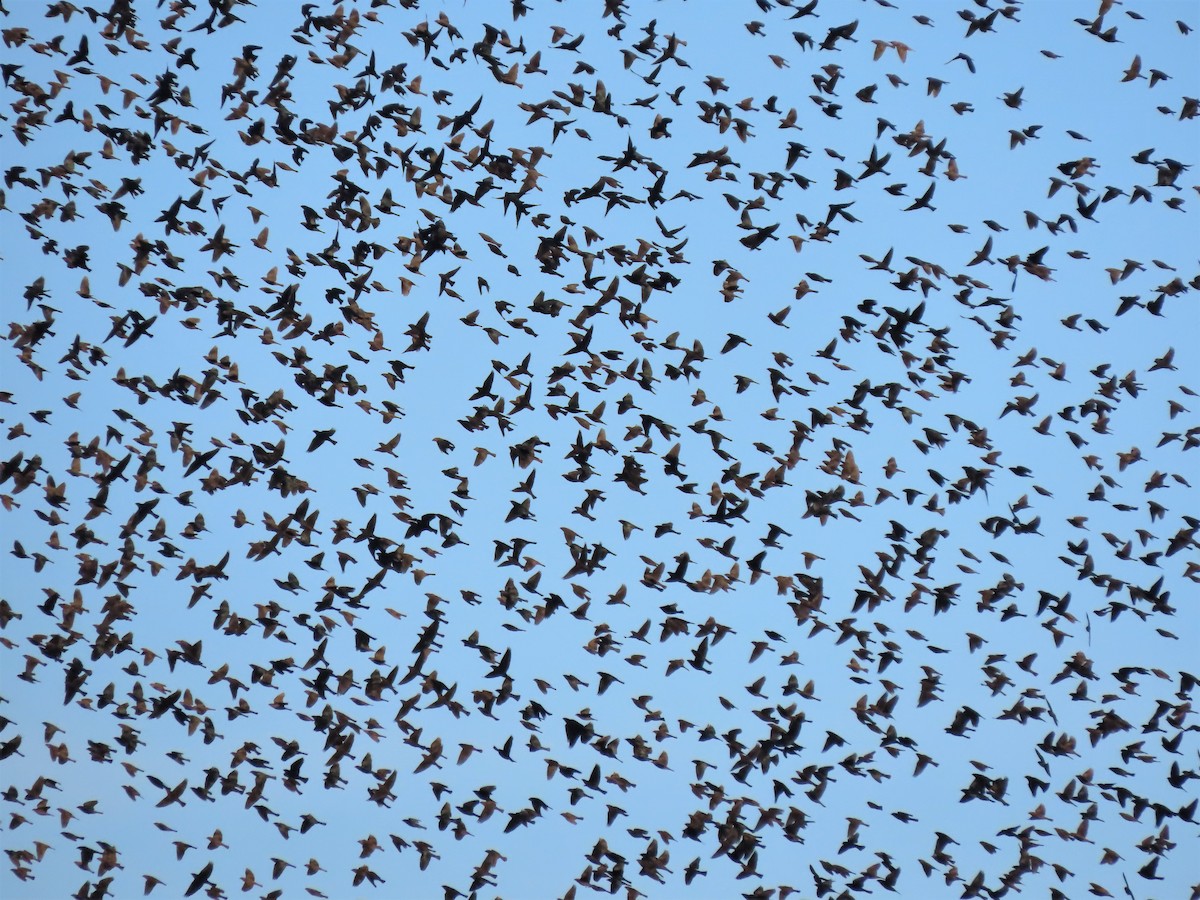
(930, 516)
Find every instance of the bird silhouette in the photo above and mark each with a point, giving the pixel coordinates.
(899, 573)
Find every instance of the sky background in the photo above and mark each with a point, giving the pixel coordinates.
(1091, 481)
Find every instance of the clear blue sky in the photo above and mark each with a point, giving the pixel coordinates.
(987, 348)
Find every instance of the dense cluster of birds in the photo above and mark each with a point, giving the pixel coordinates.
(537, 449)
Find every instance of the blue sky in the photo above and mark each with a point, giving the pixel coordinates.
(885, 353)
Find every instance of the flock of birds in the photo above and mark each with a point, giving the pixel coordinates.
(543, 454)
